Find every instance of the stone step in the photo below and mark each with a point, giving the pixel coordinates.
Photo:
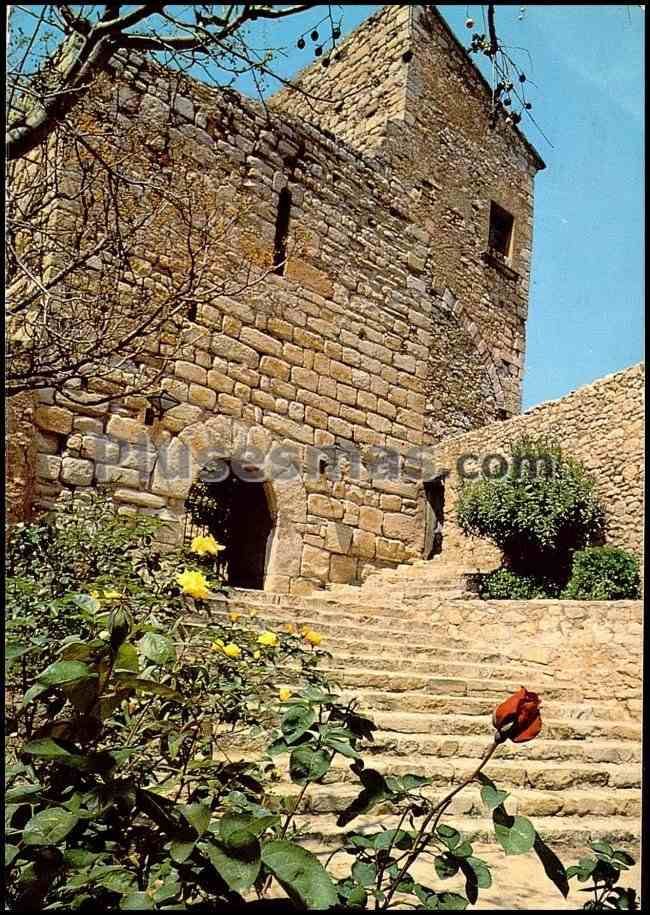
(556, 831)
(366, 626)
(452, 745)
(351, 632)
(511, 673)
(492, 689)
(480, 725)
(409, 702)
(542, 775)
(334, 798)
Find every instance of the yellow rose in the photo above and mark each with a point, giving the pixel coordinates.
(94, 595)
(232, 650)
(291, 628)
(268, 639)
(206, 545)
(194, 584)
(285, 694)
(314, 638)
(233, 617)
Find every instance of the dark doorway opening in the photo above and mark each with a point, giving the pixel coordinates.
(237, 514)
(434, 494)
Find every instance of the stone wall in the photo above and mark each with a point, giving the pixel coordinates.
(20, 457)
(601, 639)
(385, 329)
(600, 424)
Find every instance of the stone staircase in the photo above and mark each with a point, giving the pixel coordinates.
(409, 584)
(432, 698)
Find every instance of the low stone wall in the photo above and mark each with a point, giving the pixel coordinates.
(601, 425)
(601, 639)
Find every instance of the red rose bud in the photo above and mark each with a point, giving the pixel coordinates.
(518, 718)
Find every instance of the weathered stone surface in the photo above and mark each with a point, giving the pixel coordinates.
(48, 466)
(324, 507)
(315, 563)
(54, 419)
(338, 538)
(76, 471)
(127, 430)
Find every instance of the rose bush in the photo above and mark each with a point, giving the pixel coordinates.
(133, 777)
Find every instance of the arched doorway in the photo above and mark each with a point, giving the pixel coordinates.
(237, 513)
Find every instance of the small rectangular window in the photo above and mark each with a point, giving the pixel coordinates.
(282, 231)
(501, 225)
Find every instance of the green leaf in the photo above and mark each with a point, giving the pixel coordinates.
(48, 748)
(65, 672)
(375, 790)
(22, 793)
(603, 848)
(11, 852)
(395, 838)
(296, 721)
(180, 850)
(492, 797)
(623, 859)
(446, 866)
(364, 873)
(477, 875)
(278, 746)
(307, 765)
(237, 830)
(13, 651)
(135, 902)
(240, 869)
(49, 827)
(300, 874)
(117, 879)
(198, 816)
(33, 693)
(344, 747)
(127, 658)
(448, 836)
(516, 835)
(415, 781)
(76, 651)
(147, 686)
(157, 648)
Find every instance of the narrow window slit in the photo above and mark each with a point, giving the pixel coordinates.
(501, 225)
(282, 232)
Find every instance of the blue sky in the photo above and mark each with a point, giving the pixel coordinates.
(587, 291)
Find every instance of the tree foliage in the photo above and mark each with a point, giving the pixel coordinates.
(543, 510)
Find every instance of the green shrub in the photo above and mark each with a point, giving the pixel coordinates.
(543, 510)
(603, 573)
(503, 584)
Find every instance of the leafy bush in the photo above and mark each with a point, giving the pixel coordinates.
(146, 733)
(603, 573)
(538, 514)
(502, 584)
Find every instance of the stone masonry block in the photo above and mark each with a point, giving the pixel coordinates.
(54, 419)
(76, 471)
